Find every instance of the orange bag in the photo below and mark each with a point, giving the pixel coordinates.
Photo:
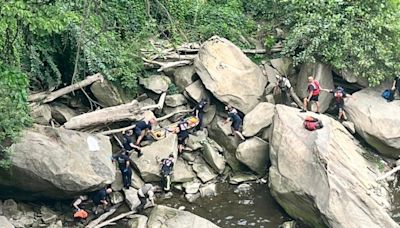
(81, 214)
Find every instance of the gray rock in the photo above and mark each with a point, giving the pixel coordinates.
(62, 113)
(41, 114)
(229, 74)
(271, 73)
(243, 188)
(182, 172)
(196, 140)
(10, 209)
(269, 89)
(117, 185)
(288, 224)
(284, 66)
(184, 76)
(254, 153)
(188, 156)
(323, 74)
(267, 134)
(162, 216)
(311, 180)
(375, 121)
(350, 77)
(73, 167)
(208, 190)
(349, 126)
(196, 91)
(213, 158)
(203, 171)
(175, 100)
(258, 118)
(238, 178)
(5, 223)
(131, 198)
(191, 187)
(57, 224)
(176, 117)
(147, 164)
(146, 102)
(48, 215)
(27, 219)
(156, 83)
(210, 112)
(192, 197)
(270, 99)
(137, 181)
(109, 94)
(116, 197)
(137, 221)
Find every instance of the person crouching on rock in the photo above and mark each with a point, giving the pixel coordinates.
(396, 84)
(199, 113)
(183, 134)
(128, 144)
(124, 164)
(141, 129)
(313, 94)
(236, 121)
(99, 198)
(284, 85)
(146, 191)
(166, 170)
(339, 95)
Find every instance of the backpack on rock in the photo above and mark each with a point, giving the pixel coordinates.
(312, 123)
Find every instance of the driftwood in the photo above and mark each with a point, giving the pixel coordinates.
(111, 221)
(45, 97)
(384, 176)
(159, 105)
(167, 65)
(295, 98)
(103, 217)
(130, 111)
(173, 113)
(255, 51)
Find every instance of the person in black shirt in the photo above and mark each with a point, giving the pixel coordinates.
(339, 94)
(167, 165)
(199, 113)
(124, 163)
(128, 144)
(100, 197)
(141, 129)
(236, 121)
(183, 134)
(396, 84)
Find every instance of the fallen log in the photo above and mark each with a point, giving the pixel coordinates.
(103, 217)
(255, 51)
(384, 176)
(167, 65)
(130, 112)
(111, 221)
(296, 98)
(45, 97)
(159, 105)
(173, 113)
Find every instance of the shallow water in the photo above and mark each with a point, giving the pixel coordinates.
(255, 208)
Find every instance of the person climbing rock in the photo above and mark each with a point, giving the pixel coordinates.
(144, 193)
(124, 163)
(128, 144)
(233, 116)
(284, 85)
(183, 134)
(339, 95)
(141, 129)
(199, 113)
(99, 198)
(166, 170)
(313, 94)
(396, 84)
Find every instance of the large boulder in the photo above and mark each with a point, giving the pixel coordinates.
(229, 74)
(203, 171)
(213, 158)
(283, 65)
(137, 221)
(5, 223)
(108, 94)
(254, 153)
(167, 217)
(196, 91)
(183, 172)
(175, 100)
(260, 117)
(376, 120)
(156, 83)
(350, 77)
(148, 165)
(184, 76)
(321, 177)
(323, 74)
(41, 114)
(62, 113)
(58, 163)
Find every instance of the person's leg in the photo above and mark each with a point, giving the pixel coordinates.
(305, 104)
(200, 124)
(140, 138)
(240, 135)
(77, 203)
(167, 183)
(143, 201)
(318, 106)
(236, 127)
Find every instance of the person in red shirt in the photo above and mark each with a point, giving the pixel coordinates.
(313, 93)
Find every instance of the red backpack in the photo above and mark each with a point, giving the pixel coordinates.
(312, 123)
(316, 86)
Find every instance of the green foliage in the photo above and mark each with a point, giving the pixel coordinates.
(13, 108)
(361, 36)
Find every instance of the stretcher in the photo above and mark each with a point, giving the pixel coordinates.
(161, 133)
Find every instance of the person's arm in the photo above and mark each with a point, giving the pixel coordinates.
(151, 197)
(394, 84)
(196, 113)
(227, 120)
(135, 146)
(310, 95)
(104, 202)
(127, 164)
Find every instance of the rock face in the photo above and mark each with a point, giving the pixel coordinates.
(260, 117)
(148, 166)
(376, 120)
(156, 83)
(163, 217)
(324, 179)
(229, 74)
(254, 153)
(323, 74)
(58, 163)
